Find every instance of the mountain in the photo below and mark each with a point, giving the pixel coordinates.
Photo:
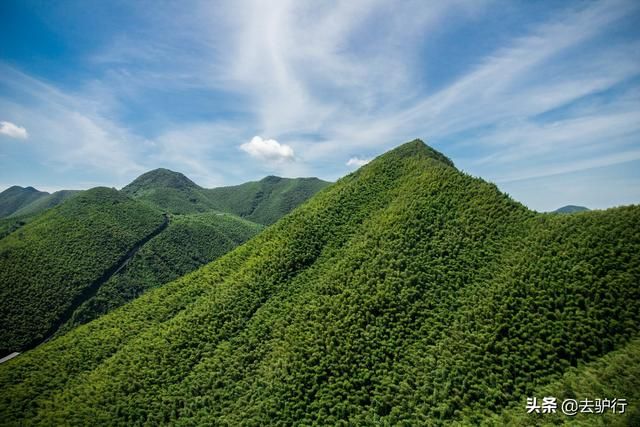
(28, 212)
(14, 198)
(570, 209)
(92, 225)
(263, 202)
(267, 200)
(169, 191)
(189, 242)
(407, 293)
(159, 179)
(43, 203)
(49, 264)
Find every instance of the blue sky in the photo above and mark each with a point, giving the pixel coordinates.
(542, 98)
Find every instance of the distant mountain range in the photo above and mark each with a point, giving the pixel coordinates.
(406, 293)
(14, 198)
(263, 202)
(71, 256)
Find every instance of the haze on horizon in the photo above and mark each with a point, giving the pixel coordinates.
(541, 98)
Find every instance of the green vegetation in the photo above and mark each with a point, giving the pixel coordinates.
(14, 198)
(82, 294)
(46, 202)
(29, 211)
(571, 209)
(11, 224)
(407, 293)
(189, 242)
(262, 202)
(169, 191)
(18, 206)
(267, 200)
(47, 264)
(616, 375)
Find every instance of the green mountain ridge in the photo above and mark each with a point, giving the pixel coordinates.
(159, 178)
(47, 263)
(407, 293)
(267, 200)
(169, 191)
(189, 242)
(263, 202)
(14, 198)
(43, 203)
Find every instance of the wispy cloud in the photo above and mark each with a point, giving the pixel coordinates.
(13, 130)
(370, 99)
(301, 65)
(558, 94)
(66, 130)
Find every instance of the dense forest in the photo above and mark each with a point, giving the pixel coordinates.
(616, 374)
(81, 244)
(407, 293)
(12, 223)
(267, 200)
(48, 263)
(262, 202)
(189, 242)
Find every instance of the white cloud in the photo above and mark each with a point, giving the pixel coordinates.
(13, 131)
(267, 149)
(355, 161)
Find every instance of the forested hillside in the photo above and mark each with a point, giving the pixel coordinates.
(169, 191)
(14, 198)
(407, 293)
(617, 375)
(12, 223)
(46, 202)
(46, 264)
(262, 202)
(189, 242)
(267, 200)
(28, 212)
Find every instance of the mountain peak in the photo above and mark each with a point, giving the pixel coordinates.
(417, 148)
(18, 189)
(159, 178)
(571, 209)
(271, 179)
(14, 198)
